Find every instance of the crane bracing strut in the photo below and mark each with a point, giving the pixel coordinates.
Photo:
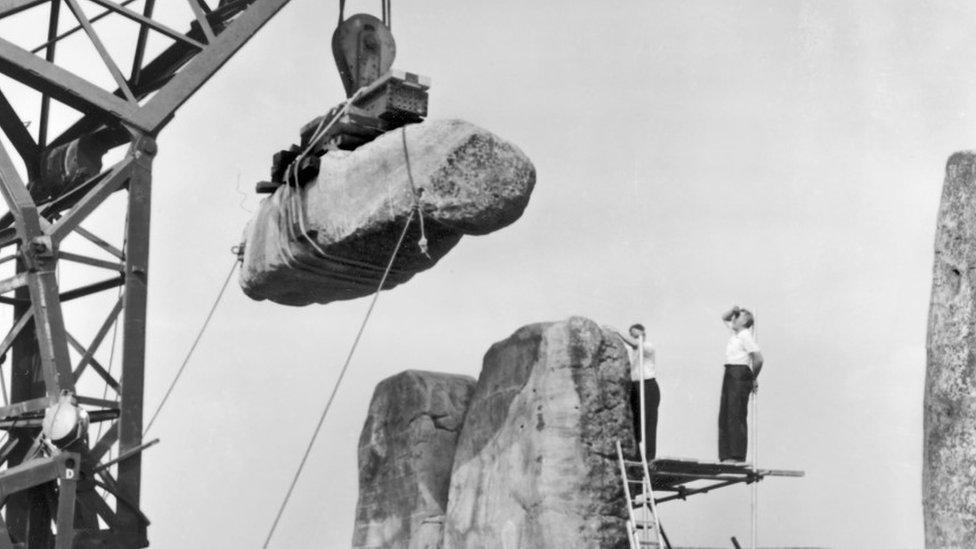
(60, 489)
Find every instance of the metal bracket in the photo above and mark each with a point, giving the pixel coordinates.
(39, 253)
(143, 147)
(62, 468)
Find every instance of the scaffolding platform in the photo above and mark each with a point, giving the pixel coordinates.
(683, 477)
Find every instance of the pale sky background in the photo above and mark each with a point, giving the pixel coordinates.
(785, 156)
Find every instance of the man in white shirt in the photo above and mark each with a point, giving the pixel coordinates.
(639, 348)
(743, 361)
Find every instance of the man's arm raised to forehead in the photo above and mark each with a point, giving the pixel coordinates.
(727, 316)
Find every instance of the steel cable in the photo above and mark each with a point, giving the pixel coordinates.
(186, 360)
(342, 374)
(111, 363)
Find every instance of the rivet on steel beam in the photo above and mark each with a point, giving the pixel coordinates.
(148, 146)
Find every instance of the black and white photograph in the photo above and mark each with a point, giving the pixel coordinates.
(487, 275)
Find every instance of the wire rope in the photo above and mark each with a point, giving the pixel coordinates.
(335, 388)
(186, 359)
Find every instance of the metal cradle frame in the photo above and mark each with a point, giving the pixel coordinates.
(39, 494)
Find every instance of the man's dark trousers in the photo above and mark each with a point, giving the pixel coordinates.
(652, 398)
(733, 431)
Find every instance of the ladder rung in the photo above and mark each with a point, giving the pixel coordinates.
(632, 481)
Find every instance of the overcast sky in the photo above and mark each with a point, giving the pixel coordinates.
(784, 156)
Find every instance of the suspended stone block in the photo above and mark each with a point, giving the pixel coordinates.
(332, 239)
(949, 464)
(536, 462)
(406, 451)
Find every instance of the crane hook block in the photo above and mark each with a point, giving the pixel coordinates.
(364, 50)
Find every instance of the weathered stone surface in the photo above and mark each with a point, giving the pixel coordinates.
(949, 469)
(472, 182)
(406, 451)
(536, 462)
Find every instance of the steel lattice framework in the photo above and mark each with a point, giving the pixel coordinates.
(81, 497)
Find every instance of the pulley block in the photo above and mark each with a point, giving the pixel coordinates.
(364, 50)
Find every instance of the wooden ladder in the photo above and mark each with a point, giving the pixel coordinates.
(643, 526)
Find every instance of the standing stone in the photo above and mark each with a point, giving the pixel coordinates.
(949, 469)
(536, 462)
(406, 451)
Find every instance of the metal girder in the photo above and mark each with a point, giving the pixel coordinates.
(105, 188)
(63, 469)
(7, 447)
(19, 280)
(65, 86)
(202, 20)
(109, 380)
(109, 484)
(94, 262)
(87, 355)
(41, 279)
(8, 340)
(140, 53)
(101, 243)
(10, 7)
(99, 507)
(92, 288)
(67, 490)
(103, 445)
(134, 334)
(683, 492)
(174, 93)
(185, 66)
(68, 199)
(38, 471)
(41, 366)
(107, 377)
(148, 22)
(13, 127)
(100, 48)
(18, 199)
(126, 455)
(49, 324)
(57, 38)
(49, 53)
(5, 542)
(26, 406)
(103, 402)
(151, 77)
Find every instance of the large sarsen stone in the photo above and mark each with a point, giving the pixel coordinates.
(332, 239)
(949, 470)
(536, 463)
(406, 451)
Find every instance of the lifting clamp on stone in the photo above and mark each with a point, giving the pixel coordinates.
(379, 99)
